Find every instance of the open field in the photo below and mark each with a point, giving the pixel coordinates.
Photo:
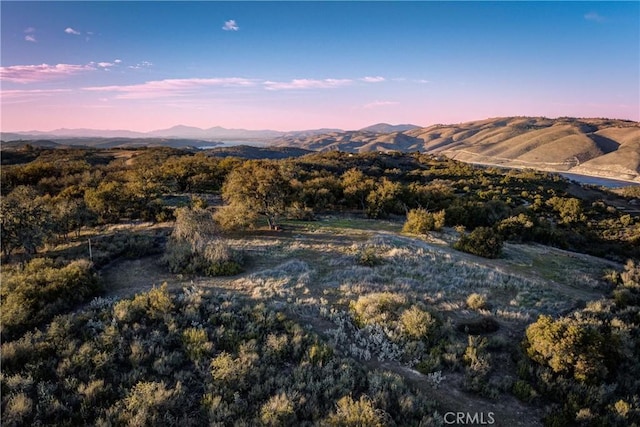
(310, 272)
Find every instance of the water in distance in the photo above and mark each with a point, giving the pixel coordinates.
(594, 180)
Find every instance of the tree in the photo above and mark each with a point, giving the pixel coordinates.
(357, 186)
(23, 220)
(383, 199)
(256, 188)
(569, 209)
(108, 201)
(195, 247)
(482, 241)
(68, 214)
(571, 347)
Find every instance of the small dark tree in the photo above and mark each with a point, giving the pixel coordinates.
(24, 220)
(482, 241)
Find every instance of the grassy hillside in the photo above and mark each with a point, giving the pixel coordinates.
(601, 147)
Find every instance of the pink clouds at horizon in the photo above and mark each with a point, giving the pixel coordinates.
(235, 102)
(144, 118)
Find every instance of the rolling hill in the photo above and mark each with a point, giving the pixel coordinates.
(599, 147)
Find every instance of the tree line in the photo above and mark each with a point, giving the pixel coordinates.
(58, 192)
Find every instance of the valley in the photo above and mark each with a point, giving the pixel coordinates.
(313, 289)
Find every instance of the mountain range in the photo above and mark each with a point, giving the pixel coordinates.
(216, 133)
(599, 147)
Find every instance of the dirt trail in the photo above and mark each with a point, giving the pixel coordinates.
(127, 277)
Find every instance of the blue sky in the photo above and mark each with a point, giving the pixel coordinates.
(301, 65)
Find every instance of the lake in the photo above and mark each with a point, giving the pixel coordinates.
(594, 180)
(235, 143)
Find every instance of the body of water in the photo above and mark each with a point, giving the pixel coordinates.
(235, 143)
(594, 180)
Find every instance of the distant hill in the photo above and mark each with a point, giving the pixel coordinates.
(600, 147)
(96, 142)
(387, 128)
(216, 133)
(38, 143)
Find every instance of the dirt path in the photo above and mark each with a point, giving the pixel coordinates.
(320, 247)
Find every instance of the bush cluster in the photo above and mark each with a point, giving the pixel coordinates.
(587, 362)
(40, 290)
(195, 246)
(196, 358)
(420, 221)
(483, 241)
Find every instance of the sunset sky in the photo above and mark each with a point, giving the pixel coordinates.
(303, 65)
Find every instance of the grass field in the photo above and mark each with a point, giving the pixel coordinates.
(313, 271)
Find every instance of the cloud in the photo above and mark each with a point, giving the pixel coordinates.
(30, 35)
(230, 25)
(171, 87)
(140, 65)
(20, 96)
(593, 16)
(376, 104)
(307, 84)
(70, 30)
(376, 79)
(42, 72)
(118, 61)
(105, 64)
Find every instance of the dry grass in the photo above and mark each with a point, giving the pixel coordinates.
(314, 275)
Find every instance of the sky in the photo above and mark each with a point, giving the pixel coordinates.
(287, 66)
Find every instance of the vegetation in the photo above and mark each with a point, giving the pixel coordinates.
(322, 322)
(419, 221)
(195, 246)
(482, 241)
(38, 291)
(586, 362)
(157, 357)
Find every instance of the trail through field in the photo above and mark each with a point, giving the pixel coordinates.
(303, 269)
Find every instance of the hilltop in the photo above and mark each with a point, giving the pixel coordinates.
(600, 147)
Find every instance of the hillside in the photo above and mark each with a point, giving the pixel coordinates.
(600, 147)
(249, 152)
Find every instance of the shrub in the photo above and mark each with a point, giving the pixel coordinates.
(194, 248)
(476, 301)
(417, 323)
(18, 408)
(523, 391)
(519, 228)
(350, 412)
(419, 221)
(150, 403)
(482, 241)
(573, 348)
(42, 290)
(367, 257)
(278, 411)
(221, 260)
(377, 307)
